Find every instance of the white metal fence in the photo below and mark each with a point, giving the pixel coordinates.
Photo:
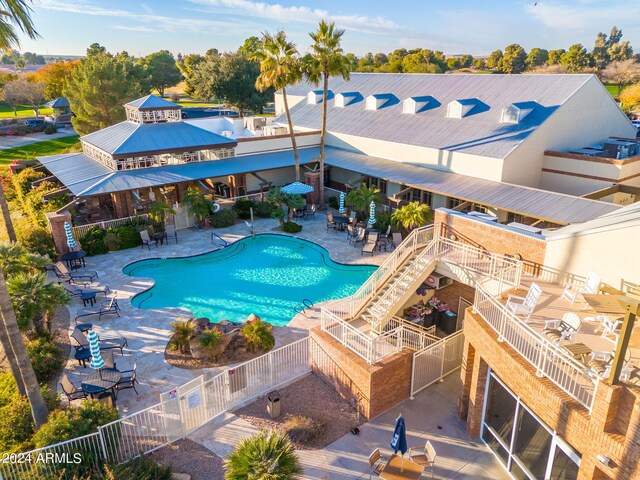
(80, 230)
(180, 412)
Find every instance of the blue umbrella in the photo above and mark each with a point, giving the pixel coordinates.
(341, 209)
(372, 213)
(399, 439)
(94, 347)
(71, 242)
(297, 188)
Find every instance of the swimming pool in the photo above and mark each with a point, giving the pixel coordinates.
(268, 275)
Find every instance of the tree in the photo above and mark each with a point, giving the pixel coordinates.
(188, 67)
(197, 204)
(514, 59)
(620, 51)
(20, 64)
(250, 46)
(258, 334)
(599, 53)
(360, 199)
(32, 295)
(95, 49)
(97, 89)
(162, 70)
(15, 13)
(412, 215)
(537, 57)
(555, 56)
(493, 61)
(55, 76)
(326, 60)
(479, 64)
(280, 66)
(14, 93)
(575, 59)
(423, 61)
(34, 95)
(630, 98)
(284, 200)
(622, 73)
(268, 455)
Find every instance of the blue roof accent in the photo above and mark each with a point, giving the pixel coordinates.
(60, 102)
(151, 102)
(130, 138)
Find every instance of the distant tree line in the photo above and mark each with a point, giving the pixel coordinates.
(13, 57)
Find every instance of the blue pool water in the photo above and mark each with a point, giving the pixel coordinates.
(267, 275)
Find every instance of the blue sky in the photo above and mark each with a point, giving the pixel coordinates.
(453, 26)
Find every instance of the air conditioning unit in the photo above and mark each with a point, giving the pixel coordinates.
(437, 281)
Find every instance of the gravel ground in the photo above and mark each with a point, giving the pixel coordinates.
(310, 397)
(187, 456)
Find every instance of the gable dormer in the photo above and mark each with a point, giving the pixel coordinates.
(517, 112)
(462, 108)
(413, 105)
(347, 98)
(314, 97)
(380, 100)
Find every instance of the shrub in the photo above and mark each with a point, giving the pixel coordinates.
(93, 241)
(223, 218)
(74, 422)
(211, 341)
(302, 430)
(129, 236)
(264, 209)
(183, 331)
(112, 241)
(142, 468)
(37, 240)
(291, 227)
(45, 357)
(243, 206)
(383, 220)
(333, 202)
(50, 129)
(258, 334)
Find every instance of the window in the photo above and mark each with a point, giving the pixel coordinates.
(501, 411)
(453, 202)
(532, 443)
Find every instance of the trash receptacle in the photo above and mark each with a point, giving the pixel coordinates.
(273, 404)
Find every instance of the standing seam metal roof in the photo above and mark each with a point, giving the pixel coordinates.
(151, 102)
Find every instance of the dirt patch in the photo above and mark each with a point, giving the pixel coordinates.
(187, 456)
(312, 398)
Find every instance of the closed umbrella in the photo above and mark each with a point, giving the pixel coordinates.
(341, 209)
(297, 188)
(399, 439)
(71, 242)
(372, 214)
(97, 361)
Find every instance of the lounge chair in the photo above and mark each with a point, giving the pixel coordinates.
(558, 330)
(370, 246)
(128, 380)
(70, 390)
(170, 231)
(108, 306)
(397, 239)
(331, 223)
(146, 240)
(78, 290)
(524, 305)
(376, 463)
(600, 363)
(84, 277)
(359, 238)
(424, 458)
(590, 285)
(609, 327)
(105, 343)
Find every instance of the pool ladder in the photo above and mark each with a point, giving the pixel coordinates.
(222, 243)
(306, 303)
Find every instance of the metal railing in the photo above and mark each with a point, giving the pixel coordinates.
(550, 360)
(436, 361)
(80, 230)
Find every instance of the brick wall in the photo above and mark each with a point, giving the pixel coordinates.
(492, 238)
(377, 387)
(56, 226)
(612, 428)
(451, 294)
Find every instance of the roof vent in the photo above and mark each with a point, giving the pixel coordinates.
(461, 108)
(347, 98)
(315, 96)
(413, 105)
(380, 100)
(516, 112)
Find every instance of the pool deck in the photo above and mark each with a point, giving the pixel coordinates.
(148, 331)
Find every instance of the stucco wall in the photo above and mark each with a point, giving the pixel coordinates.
(275, 142)
(291, 99)
(279, 177)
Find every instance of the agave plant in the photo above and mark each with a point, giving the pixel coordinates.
(268, 455)
(412, 215)
(183, 331)
(258, 335)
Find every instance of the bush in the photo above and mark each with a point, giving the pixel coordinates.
(258, 334)
(183, 331)
(264, 209)
(74, 422)
(291, 227)
(383, 220)
(333, 202)
(303, 430)
(142, 468)
(243, 207)
(50, 129)
(129, 236)
(37, 240)
(211, 340)
(93, 241)
(223, 218)
(45, 357)
(112, 241)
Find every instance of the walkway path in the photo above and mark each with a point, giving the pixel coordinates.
(430, 416)
(11, 142)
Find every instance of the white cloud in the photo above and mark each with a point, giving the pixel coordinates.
(583, 15)
(134, 28)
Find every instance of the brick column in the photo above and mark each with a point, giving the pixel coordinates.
(121, 204)
(476, 395)
(56, 225)
(466, 375)
(313, 179)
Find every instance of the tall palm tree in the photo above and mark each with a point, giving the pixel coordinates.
(280, 66)
(412, 215)
(32, 295)
(15, 13)
(326, 60)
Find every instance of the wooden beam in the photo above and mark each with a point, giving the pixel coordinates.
(462, 206)
(350, 183)
(395, 196)
(629, 189)
(603, 192)
(632, 305)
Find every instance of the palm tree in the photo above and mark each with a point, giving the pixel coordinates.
(15, 13)
(183, 331)
(326, 60)
(258, 334)
(196, 203)
(280, 66)
(265, 456)
(360, 199)
(31, 295)
(412, 215)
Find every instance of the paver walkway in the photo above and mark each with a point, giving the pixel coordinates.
(11, 142)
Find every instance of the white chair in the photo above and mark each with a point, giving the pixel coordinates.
(524, 305)
(600, 363)
(609, 327)
(591, 285)
(558, 330)
(376, 463)
(425, 458)
(146, 240)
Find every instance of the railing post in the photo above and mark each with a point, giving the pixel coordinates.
(103, 445)
(444, 349)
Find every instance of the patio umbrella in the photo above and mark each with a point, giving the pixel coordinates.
(341, 209)
(71, 242)
(399, 439)
(372, 213)
(94, 347)
(297, 188)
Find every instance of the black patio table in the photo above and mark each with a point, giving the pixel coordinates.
(341, 221)
(101, 381)
(73, 259)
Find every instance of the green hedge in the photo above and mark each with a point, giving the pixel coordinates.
(243, 207)
(97, 241)
(45, 357)
(223, 218)
(291, 227)
(333, 202)
(264, 209)
(37, 240)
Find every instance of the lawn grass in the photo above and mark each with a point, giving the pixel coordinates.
(612, 89)
(47, 147)
(22, 111)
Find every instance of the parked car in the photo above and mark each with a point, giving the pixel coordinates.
(35, 123)
(184, 114)
(636, 123)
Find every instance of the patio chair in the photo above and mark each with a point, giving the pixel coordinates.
(590, 285)
(109, 361)
(376, 463)
(370, 246)
(63, 273)
(600, 363)
(524, 305)
(359, 238)
(170, 231)
(71, 391)
(146, 240)
(311, 212)
(558, 330)
(128, 380)
(105, 343)
(331, 223)
(78, 290)
(609, 327)
(425, 458)
(108, 306)
(396, 239)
